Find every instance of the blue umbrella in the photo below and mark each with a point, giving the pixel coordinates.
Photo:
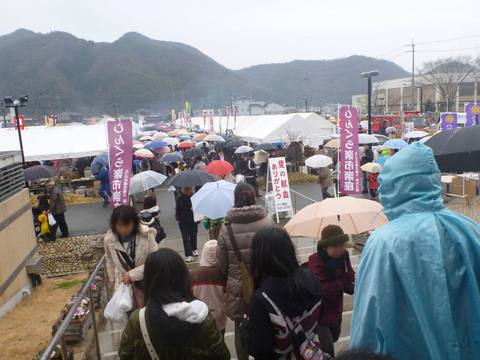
(397, 144)
(382, 160)
(102, 159)
(137, 162)
(168, 158)
(157, 145)
(214, 199)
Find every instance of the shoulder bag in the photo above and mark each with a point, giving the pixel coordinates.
(146, 336)
(137, 287)
(247, 282)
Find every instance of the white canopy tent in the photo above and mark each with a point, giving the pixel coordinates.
(309, 127)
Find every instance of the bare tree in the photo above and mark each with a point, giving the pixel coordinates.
(292, 135)
(447, 74)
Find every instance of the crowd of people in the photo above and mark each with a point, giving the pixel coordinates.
(416, 292)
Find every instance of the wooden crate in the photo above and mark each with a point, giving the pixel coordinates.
(77, 329)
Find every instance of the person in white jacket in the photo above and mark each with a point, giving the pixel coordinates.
(127, 245)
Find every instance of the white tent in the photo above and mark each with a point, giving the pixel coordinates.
(60, 142)
(311, 128)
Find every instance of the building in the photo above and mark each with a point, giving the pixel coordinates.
(245, 106)
(396, 95)
(17, 235)
(69, 116)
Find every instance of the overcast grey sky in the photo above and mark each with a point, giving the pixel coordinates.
(241, 33)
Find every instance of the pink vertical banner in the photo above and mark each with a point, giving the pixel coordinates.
(350, 174)
(120, 143)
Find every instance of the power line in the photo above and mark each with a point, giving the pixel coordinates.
(446, 50)
(446, 40)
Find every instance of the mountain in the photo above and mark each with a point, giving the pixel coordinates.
(327, 81)
(60, 72)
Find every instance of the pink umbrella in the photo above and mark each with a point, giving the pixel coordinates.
(146, 138)
(136, 142)
(143, 154)
(163, 150)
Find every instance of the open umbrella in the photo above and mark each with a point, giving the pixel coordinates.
(146, 180)
(415, 135)
(334, 143)
(214, 199)
(382, 160)
(168, 158)
(371, 167)
(191, 178)
(200, 144)
(160, 135)
(157, 145)
(261, 156)
(318, 161)
(367, 139)
(171, 141)
(424, 139)
(243, 149)
(143, 154)
(146, 138)
(457, 150)
(163, 150)
(138, 146)
(234, 143)
(39, 172)
(100, 158)
(213, 138)
(396, 144)
(185, 137)
(192, 153)
(137, 163)
(185, 144)
(200, 137)
(219, 167)
(265, 146)
(353, 215)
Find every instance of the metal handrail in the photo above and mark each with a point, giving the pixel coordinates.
(295, 193)
(58, 337)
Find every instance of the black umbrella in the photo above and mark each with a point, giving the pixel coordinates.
(39, 172)
(191, 178)
(457, 150)
(235, 143)
(265, 146)
(193, 153)
(168, 158)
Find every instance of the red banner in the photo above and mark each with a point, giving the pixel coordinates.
(22, 122)
(120, 145)
(350, 173)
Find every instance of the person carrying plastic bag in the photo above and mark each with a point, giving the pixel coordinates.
(120, 303)
(417, 293)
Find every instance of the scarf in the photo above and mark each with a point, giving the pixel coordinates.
(331, 263)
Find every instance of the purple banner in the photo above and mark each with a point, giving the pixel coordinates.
(350, 174)
(473, 114)
(449, 121)
(120, 144)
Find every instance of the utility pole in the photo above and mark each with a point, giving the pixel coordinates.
(4, 117)
(412, 45)
(114, 107)
(306, 78)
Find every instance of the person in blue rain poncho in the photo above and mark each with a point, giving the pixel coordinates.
(417, 293)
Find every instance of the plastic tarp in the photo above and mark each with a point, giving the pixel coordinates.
(59, 142)
(417, 293)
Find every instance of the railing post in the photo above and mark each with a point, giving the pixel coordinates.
(94, 323)
(63, 348)
(107, 282)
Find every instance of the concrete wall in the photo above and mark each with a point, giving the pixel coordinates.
(18, 244)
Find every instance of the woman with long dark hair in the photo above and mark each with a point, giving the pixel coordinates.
(282, 289)
(243, 221)
(127, 245)
(178, 325)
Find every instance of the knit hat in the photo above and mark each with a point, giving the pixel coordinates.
(332, 235)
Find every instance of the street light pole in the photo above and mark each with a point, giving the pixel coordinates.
(15, 104)
(4, 117)
(421, 97)
(369, 75)
(19, 134)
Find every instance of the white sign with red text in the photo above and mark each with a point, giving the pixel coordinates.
(280, 184)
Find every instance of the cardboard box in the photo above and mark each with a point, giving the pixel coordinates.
(457, 186)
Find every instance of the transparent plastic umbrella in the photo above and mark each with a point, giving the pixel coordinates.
(146, 180)
(214, 199)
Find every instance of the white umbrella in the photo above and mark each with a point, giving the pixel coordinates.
(415, 135)
(261, 156)
(214, 199)
(318, 161)
(138, 146)
(243, 149)
(160, 135)
(423, 140)
(146, 180)
(171, 141)
(367, 139)
(213, 138)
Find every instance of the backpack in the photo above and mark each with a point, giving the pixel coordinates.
(307, 349)
(147, 218)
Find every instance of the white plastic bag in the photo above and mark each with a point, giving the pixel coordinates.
(239, 179)
(51, 220)
(121, 302)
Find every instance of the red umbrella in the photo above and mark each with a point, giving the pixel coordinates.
(219, 167)
(185, 144)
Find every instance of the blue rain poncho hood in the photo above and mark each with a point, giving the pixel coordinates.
(417, 294)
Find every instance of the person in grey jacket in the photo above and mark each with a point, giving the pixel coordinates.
(57, 208)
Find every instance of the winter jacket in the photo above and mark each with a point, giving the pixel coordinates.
(208, 284)
(251, 169)
(145, 244)
(240, 166)
(265, 335)
(324, 178)
(103, 175)
(333, 288)
(151, 218)
(177, 331)
(44, 227)
(57, 201)
(367, 158)
(184, 210)
(245, 222)
(372, 179)
(417, 292)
